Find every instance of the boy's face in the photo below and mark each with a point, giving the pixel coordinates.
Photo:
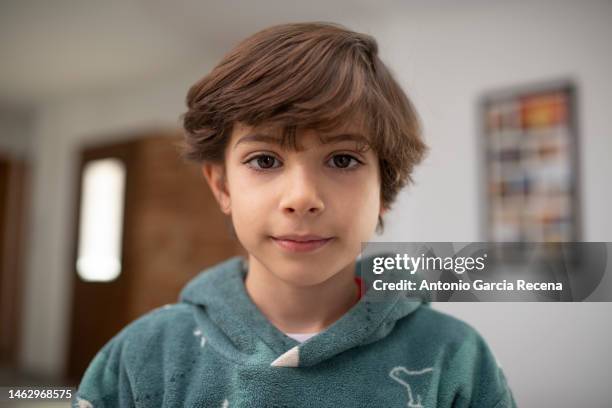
(328, 190)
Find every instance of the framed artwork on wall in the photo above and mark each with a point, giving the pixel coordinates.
(530, 168)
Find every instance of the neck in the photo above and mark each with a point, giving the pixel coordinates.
(300, 309)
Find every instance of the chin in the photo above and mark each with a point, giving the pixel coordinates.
(302, 275)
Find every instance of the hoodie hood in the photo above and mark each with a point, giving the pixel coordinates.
(232, 324)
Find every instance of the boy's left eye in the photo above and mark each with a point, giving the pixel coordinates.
(343, 161)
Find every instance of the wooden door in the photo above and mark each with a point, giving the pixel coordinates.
(172, 230)
(14, 192)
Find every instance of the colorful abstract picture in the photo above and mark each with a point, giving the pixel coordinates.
(531, 169)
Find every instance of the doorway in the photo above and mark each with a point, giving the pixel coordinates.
(171, 230)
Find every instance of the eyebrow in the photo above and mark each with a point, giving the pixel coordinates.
(260, 137)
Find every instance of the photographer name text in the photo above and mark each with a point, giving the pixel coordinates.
(460, 285)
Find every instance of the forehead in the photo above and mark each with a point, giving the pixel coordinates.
(296, 139)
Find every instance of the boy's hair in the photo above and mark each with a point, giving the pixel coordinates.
(314, 76)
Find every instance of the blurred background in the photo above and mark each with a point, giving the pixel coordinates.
(101, 222)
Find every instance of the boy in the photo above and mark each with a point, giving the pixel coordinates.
(305, 139)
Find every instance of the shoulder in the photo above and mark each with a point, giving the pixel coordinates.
(471, 367)
(157, 326)
(112, 374)
(168, 317)
(444, 335)
(446, 327)
(157, 329)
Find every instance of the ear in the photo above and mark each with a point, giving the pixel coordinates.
(216, 178)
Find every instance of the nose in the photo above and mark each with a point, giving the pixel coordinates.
(301, 193)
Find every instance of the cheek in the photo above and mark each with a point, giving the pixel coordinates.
(360, 206)
(250, 203)
(361, 195)
(246, 209)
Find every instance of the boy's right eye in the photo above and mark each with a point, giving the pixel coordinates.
(263, 162)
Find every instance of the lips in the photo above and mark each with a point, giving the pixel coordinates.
(301, 238)
(301, 243)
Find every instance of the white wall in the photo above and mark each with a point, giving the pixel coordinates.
(553, 354)
(15, 131)
(445, 57)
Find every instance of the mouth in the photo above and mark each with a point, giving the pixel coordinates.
(301, 244)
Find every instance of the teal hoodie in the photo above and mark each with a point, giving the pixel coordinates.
(214, 348)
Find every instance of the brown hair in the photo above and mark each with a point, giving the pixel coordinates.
(309, 76)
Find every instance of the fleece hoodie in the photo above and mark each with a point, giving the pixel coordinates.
(214, 348)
